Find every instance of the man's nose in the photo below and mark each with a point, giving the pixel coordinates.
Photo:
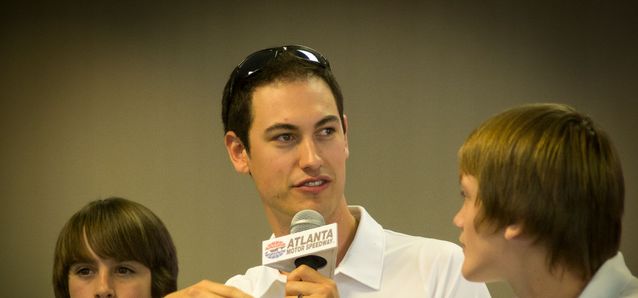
(309, 155)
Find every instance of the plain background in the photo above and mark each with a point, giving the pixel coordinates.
(122, 98)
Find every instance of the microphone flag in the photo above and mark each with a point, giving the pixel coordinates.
(281, 252)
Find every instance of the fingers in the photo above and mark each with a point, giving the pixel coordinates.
(209, 289)
(305, 273)
(310, 283)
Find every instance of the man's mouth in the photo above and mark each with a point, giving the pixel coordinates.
(314, 183)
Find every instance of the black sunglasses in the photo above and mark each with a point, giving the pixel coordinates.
(256, 61)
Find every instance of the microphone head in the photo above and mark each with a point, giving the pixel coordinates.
(306, 220)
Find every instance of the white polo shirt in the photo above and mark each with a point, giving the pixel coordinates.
(381, 263)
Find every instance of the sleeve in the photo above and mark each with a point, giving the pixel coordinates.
(260, 282)
(450, 282)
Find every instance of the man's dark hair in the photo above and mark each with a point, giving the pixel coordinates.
(285, 67)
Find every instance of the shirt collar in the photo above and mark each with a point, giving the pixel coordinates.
(610, 279)
(364, 260)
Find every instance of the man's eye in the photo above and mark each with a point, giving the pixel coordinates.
(284, 138)
(327, 131)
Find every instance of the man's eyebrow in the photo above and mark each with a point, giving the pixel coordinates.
(327, 119)
(280, 126)
(287, 126)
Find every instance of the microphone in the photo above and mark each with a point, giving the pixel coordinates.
(302, 221)
(310, 242)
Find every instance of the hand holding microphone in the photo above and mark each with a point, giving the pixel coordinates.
(305, 281)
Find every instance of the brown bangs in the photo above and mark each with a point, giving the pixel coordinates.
(117, 234)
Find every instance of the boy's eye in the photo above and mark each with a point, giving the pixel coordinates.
(124, 270)
(463, 194)
(83, 271)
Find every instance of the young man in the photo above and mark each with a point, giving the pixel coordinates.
(543, 198)
(284, 126)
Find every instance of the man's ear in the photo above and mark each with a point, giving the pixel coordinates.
(237, 153)
(345, 134)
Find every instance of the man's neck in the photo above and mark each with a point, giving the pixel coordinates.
(347, 228)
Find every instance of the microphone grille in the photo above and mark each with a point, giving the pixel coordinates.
(306, 220)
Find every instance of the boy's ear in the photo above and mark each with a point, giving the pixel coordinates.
(513, 231)
(237, 153)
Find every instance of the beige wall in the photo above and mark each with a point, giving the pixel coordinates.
(107, 99)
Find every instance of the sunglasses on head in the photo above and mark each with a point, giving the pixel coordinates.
(256, 61)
